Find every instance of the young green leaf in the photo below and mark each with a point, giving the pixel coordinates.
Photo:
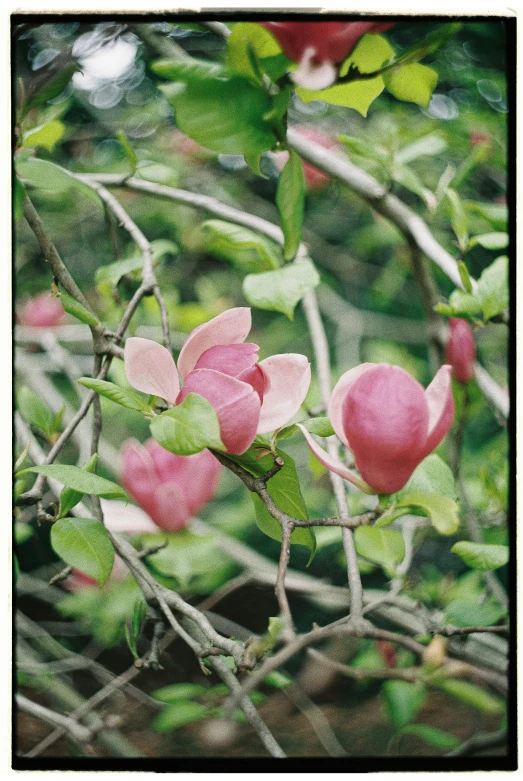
(481, 556)
(179, 691)
(245, 249)
(45, 175)
(474, 696)
(469, 611)
(281, 290)
(458, 218)
(178, 714)
(403, 701)
(188, 428)
(33, 409)
(245, 37)
(464, 276)
(128, 149)
(18, 198)
(494, 241)
(432, 476)
(74, 308)
(69, 498)
(442, 510)
(46, 136)
(84, 544)
(430, 145)
(493, 288)
(122, 396)
(434, 736)
(413, 83)
(80, 480)
(385, 547)
(322, 426)
(290, 199)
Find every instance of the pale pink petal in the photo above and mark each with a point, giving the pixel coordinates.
(288, 379)
(332, 464)
(312, 75)
(199, 479)
(338, 397)
(167, 465)
(171, 512)
(236, 404)
(126, 518)
(231, 327)
(230, 359)
(441, 408)
(150, 368)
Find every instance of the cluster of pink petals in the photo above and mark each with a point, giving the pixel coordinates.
(42, 311)
(389, 422)
(314, 178)
(249, 398)
(171, 489)
(319, 47)
(461, 349)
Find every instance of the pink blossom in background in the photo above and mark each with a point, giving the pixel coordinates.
(248, 397)
(461, 349)
(171, 489)
(314, 178)
(42, 311)
(319, 47)
(389, 422)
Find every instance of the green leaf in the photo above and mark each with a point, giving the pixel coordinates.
(221, 111)
(385, 547)
(403, 701)
(122, 396)
(430, 145)
(179, 691)
(432, 735)
(464, 276)
(128, 149)
(80, 480)
(469, 611)
(18, 198)
(74, 308)
(322, 426)
(84, 544)
(45, 175)
(474, 696)
(132, 633)
(46, 136)
(281, 290)
(245, 37)
(290, 199)
(179, 714)
(481, 556)
(277, 679)
(463, 304)
(412, 83)
(407, 178)
(69, 498)
(442, 511)
(284, 488)
(55, 86)
(496, 240)
(369, 55)
(247, 250)
(188, 428)
(493, 288)
(33, 409)
(23, 532)
(362, 148)
(458, 218)
(432, 476)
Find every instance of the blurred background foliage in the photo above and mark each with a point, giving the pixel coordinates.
(370, 301)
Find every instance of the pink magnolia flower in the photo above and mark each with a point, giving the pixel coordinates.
(388, 421)
(248, 397)
(171, 489)
(42, 311)
(319, 47)
(314, 178)
(461, 349)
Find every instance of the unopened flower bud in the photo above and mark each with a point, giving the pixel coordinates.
(461, 350)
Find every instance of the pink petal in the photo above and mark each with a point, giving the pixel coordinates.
(150, 368)
(332, 464)
(231, 327)
(236, 404)
(230, 359)
(255, 377)
(288, 379)
(138, 475)
(441, 408)
(126, 518)
(338, 396)
(171, 512)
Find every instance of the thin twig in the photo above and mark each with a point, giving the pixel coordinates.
(454, 631)
(77, 731)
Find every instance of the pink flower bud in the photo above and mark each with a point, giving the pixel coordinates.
(461, 349)
(388, 421)
(248, 397)
(314, 178)
(171, 489)
(319, 47)
(42, 311)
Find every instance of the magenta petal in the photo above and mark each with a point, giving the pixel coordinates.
(338, 396)
(150, 368)
(288, 379)
(236, 404)
(200, 478)
(138, 474)
(231, 327)
(255, 377)
(441, 408)
(230, 359)
(171, 512)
